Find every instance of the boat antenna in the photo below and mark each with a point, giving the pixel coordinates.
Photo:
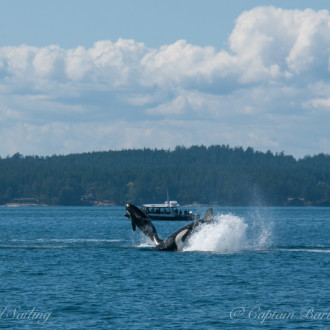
(168, 199)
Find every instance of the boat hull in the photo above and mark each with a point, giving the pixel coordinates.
(165, 217)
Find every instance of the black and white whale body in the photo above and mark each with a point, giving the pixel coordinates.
(172, 243)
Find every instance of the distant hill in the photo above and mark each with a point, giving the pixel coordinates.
(206, 175)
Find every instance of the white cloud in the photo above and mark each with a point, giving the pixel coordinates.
(320, 103)
(273, 76)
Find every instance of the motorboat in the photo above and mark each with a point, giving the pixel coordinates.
(170, 210)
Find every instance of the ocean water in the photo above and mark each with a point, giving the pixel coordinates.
(83, 268)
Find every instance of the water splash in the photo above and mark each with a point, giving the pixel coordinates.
(260, 232)
(229, 234)
(143, 242)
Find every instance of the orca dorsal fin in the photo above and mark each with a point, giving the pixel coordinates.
(209, 217)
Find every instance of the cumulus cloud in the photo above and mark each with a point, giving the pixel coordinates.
(260, 91)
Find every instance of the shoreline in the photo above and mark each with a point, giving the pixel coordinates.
(101, 204)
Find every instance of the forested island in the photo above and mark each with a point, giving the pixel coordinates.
(218, 175)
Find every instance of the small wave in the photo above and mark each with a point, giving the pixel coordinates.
(306, 250)
(56, 243)
(84, 240)
(145, 245)
(27, 240)
(39, 247)
(65, 240)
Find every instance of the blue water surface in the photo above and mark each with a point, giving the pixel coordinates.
(82, 268)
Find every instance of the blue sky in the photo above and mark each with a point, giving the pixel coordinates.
(81, 75)
(72, 23)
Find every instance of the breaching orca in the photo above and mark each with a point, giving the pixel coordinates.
(172, 243)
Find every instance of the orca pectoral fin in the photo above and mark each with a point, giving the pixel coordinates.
(127, 215)
(133, 225)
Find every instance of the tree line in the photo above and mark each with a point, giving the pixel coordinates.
(217, 174)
